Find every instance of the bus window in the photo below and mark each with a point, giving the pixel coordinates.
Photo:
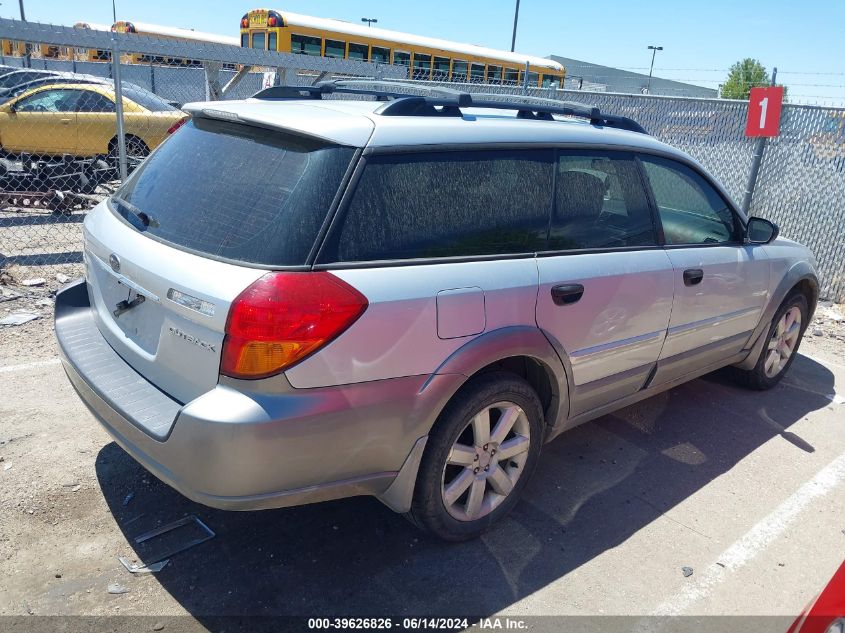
(494, 74)
(476, 72)
(258, 41)
(245, 40)
(533, 79)
(358, 51)
(306, 45)
(441, 67)
(380, 55)
(401, 58)
(511, 76)
(459, 70)
(335, 48)
(422, 66)
(272, 42)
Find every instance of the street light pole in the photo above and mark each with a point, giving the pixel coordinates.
(515, 20)
(653, 50)
(369, 21)
(113, 12)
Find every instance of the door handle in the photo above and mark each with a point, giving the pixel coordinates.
(693, 276)
(65, 121)
(566, 294)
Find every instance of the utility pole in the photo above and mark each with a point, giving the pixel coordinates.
(653, 50)
(27, 60)
(113, 12)
(515, 21)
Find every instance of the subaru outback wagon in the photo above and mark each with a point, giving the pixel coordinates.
(302, 297)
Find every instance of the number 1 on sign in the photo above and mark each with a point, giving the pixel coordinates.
(764, 105)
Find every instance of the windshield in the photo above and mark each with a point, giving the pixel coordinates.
(236, 192)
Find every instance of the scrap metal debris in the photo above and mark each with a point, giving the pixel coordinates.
(117, 588)
(36, 281)
(162, 558)
(687, 571)
(142, 569)
(19, 318)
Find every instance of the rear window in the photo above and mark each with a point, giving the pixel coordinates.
(145, 99)
(235, 192)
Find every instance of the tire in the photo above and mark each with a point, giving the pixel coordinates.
(135, 147)
(460, 500)
(774, 362)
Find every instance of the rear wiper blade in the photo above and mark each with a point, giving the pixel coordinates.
(145, 218)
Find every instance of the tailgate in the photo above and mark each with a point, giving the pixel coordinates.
(173, 337)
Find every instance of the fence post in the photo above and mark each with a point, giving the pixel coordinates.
(118, 105)
(756, 161)
(525, 78)
(152, 78)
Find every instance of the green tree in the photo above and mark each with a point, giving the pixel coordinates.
(743, 76)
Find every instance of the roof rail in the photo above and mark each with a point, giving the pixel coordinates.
(408, 99)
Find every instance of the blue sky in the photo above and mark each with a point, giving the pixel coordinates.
(805, 40)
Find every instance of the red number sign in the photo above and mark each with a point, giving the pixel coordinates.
(764, 111)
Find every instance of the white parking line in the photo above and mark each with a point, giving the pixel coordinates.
(757, 538)
(38, 363)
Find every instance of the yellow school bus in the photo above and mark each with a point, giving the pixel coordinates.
(92, 54)
(13, 49)
(425, 57)
(170, 33)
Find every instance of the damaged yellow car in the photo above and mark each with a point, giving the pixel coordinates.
(81, 120)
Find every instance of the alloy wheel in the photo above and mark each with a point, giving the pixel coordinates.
(486, 461)
(783, 342)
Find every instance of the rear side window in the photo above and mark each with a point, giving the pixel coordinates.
(449, 204)
(599, 203)
(236, 192)
(691, 211)
(146, 99)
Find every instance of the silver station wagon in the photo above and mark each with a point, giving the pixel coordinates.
(350, 289)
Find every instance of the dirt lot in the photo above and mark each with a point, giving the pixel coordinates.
(744, 488)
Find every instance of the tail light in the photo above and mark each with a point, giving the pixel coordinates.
(284, 317)
(177, 125)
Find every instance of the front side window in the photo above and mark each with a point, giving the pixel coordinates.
(335, 48)
(306, 45)
(272, 41)
(49, 101)
(245, 40)
(691, 210)
(447, 204)
(599, 203)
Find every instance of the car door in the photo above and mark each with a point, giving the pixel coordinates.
(42, 123)
(605, 292)
(96, 122)
(720, 284)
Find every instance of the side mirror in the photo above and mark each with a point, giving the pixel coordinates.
(761, 231)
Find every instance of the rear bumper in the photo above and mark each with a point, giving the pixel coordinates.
(236, 449)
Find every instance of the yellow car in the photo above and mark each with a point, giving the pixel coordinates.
(80, 119)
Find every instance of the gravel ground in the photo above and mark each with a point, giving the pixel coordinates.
(616, 511)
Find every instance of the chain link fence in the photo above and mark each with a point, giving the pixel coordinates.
(68, 144)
